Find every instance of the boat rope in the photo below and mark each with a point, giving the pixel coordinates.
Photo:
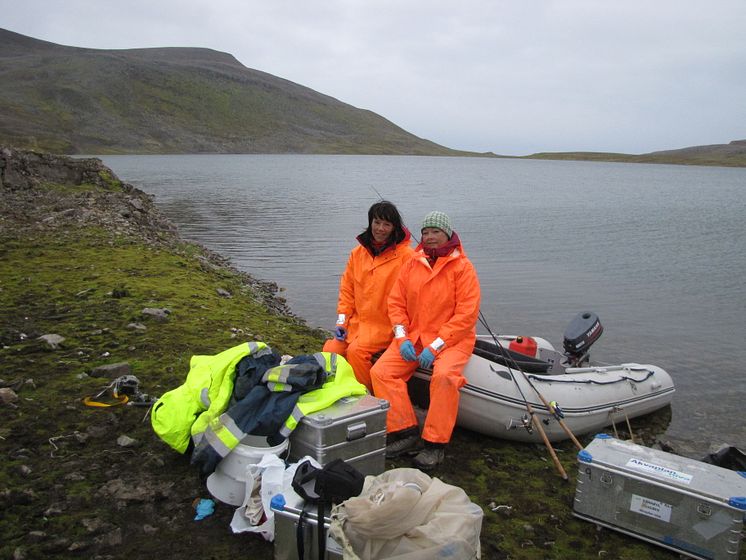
(620, 379)
(613, 425)
(629, 427)
(626, 418)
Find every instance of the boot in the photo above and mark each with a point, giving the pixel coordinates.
(404, 442)
(430, 457)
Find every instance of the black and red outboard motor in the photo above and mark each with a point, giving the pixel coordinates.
(580, 334)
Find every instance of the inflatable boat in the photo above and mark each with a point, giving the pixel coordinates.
(505, 373)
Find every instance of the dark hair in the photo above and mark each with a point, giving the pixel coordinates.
(385, 210)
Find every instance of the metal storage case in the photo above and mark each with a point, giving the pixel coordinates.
(688, 506)
(286, 526)
(352, 429)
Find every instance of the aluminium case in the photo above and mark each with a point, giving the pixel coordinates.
(352, 429)
(287, 516)
(691, 507)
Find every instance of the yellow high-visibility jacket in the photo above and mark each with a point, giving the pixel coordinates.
(197, 408)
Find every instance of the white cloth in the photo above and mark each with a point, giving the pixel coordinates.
(264, 481)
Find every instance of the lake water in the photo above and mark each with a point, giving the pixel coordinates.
(656, 250)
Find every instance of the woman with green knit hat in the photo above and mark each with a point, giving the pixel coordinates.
(433, 307)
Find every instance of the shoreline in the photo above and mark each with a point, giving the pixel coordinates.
(85, 257)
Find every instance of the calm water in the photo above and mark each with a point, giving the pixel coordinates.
(657, 251)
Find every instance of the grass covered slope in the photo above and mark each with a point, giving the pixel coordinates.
(175, 100)
(732, 154)
(82, 255)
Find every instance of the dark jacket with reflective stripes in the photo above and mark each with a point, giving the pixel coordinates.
(244, 390)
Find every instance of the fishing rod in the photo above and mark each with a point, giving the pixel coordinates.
(375, 190)
(552, 406)
(529, 408)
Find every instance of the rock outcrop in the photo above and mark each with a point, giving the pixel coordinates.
(43, 192)
(46, 194)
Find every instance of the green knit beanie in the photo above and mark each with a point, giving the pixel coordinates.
(438, 220)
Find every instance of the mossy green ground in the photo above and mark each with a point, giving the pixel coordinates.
(88, 288)
(81, 492)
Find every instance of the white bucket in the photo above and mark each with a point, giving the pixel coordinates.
(228, 482)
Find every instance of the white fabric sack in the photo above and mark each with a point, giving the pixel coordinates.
(271, 478)
(403, 514)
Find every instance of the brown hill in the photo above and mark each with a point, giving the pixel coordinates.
(725, 155)
(175, 100)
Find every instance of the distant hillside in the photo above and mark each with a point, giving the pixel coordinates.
(726, 155)
(175, 100)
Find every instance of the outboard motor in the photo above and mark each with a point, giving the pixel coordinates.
(580, 334)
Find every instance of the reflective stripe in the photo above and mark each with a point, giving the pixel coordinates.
(400, 331)
(295, 417)
(216, 443)
(232, 427)
(297, 414)
(341, 318)
(204, 396)
(333, 360)
(437, 344)
(258, 349)
(223, 434)
(279, 387)
(255, 348)
(285, 372)
(227, 433)
(279, 374)
(331, 367)
(321, 359)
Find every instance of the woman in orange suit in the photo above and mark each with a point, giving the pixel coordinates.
(433, 307)
(363, 327)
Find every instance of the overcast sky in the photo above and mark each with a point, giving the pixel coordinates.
(511, 77)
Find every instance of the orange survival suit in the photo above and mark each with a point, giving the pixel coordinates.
(363, 292)
(434, 307)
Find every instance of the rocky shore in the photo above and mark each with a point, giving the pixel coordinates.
(96, 283)
(46, 194)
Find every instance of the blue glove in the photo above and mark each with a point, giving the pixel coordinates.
(204, 508)
(426, 358)
(340, 333)
(407, 351)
